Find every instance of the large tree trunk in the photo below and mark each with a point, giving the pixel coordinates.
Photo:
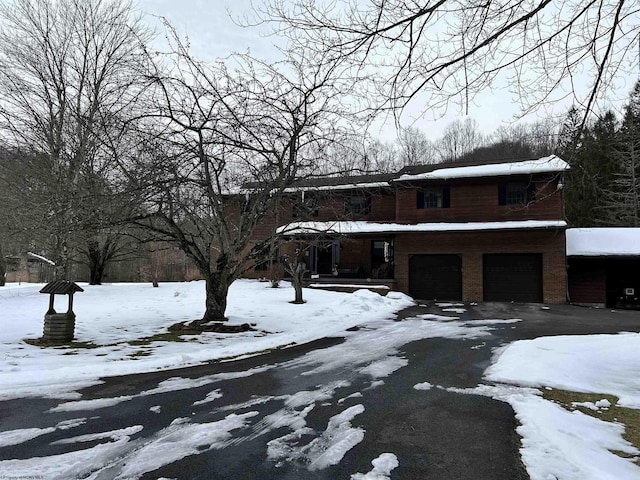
(216, 301)
(297, 271)
(96, 274)
(97, 264)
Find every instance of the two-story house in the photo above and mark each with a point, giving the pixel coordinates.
(459, 231)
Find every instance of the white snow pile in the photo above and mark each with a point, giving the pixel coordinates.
(113, 317)
(579, 363)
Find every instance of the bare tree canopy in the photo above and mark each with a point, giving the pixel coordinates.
(438, 51)
(223, 142)
(69, 77)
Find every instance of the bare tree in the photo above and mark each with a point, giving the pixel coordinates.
(540, 137)
(435, 52)
(68, 77)
(382, 156)
(414, 148)
(226, 140)
(459, 139)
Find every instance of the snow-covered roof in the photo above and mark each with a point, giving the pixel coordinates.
(41, 258)
(344, 186)
(595, 242)
(356, 227)
(527, 167)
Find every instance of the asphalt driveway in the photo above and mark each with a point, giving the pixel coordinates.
(435, 433)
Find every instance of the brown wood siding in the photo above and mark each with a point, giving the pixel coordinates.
(477, 201)
(587, 281)
(472, 245)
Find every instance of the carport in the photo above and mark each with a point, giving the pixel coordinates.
(604, 266)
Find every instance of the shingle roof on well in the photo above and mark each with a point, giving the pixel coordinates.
(61, 287)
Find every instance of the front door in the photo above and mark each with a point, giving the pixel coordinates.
(324, 256)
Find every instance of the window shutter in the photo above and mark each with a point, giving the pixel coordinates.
(502, 194)
(446, 196)
(420, 199)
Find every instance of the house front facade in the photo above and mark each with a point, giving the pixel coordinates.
(457, 231)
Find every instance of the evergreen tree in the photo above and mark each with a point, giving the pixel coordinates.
(589, 151)
(621, 206)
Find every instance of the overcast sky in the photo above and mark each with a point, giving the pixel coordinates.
(213, 34)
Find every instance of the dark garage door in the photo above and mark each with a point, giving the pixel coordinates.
(435, 277)
(512, 277)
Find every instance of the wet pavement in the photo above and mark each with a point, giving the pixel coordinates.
(314, 411)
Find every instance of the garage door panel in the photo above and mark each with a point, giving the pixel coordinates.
(435, 277)
(512, 277)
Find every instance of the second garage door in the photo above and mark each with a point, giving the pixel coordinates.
(512, 277)
(435, 277)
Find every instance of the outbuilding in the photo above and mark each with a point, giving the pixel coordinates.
(604, 266)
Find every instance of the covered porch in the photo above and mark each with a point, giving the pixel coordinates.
(344, 260)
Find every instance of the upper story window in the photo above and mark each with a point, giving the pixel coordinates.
(305, 207)
(357, 205)
(516, 193)
(433, 197)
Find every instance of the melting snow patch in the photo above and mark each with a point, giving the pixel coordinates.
(211, 396)
(353, 395)
(307, 397)
(385, 367)
(454, 310)
(72, 423)
(15, 437)
(78, 464)
(156, 409)
(123, 433)
(382, 467)
(178, 383)
(321, 452)
(179, 440)
(90, 404)
(433, 316)
(600, 404)
(423, 386)
(495, 321)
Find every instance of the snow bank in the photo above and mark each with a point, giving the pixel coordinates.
(579, 363)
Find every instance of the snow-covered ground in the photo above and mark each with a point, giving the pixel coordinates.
(556, 443)
(113, 316)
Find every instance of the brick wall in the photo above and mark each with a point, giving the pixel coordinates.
(331, 207)
(472, 245)
(477, 201)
